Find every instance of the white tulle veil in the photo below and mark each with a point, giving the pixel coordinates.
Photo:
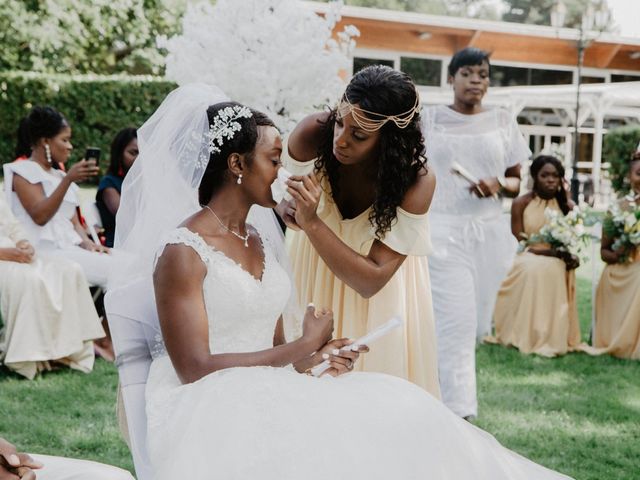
(161, 189)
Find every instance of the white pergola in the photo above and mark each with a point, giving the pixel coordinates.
(551, 112)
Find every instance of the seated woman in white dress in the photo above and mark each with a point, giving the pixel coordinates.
(221, 397)
(46, 306)
(44, 199)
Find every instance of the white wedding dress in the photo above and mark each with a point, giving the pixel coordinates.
(276, 424)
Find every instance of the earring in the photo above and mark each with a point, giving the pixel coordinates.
(239, 181)
(47, 152)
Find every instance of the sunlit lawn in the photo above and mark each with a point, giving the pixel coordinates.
(577, 414)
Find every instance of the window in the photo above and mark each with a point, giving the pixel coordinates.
(503, 76)
(625, 78)
(590, 79)
(423, 71)
(360, 62)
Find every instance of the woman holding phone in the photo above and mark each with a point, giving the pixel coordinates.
(45, 199)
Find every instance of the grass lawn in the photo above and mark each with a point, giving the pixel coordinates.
(577, 414)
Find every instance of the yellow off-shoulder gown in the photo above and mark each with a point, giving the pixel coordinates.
(536, 308)
(410, 352)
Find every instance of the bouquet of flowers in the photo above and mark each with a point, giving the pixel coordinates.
(624, 227)
(563, 233)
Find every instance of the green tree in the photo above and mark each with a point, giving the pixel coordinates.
(539, 11)
(83, 36)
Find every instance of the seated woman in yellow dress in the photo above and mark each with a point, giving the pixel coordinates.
(536, 306)
(617, 301)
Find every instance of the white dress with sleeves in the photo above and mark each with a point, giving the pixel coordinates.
(472, 241)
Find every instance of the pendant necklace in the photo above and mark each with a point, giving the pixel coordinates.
(244, 238)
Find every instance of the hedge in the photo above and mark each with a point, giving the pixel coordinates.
(619, 144)
(97, 107)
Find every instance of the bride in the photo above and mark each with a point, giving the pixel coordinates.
(227, 396)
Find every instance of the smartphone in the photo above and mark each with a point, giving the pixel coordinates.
(92, 153)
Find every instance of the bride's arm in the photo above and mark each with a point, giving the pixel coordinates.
(178, 280)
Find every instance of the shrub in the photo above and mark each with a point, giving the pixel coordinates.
(618, 146)
(95, 106)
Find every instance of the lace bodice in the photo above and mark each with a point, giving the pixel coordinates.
(242, 310)
(486, 144)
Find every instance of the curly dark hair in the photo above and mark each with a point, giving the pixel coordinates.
(401, 157)
(243, 142)
(537, 164)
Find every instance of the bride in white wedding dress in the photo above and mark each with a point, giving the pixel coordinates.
(225, 399)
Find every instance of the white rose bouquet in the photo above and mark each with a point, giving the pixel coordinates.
(565, 234)
(624, 227)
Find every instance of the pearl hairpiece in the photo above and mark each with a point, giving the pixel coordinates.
(225, 126)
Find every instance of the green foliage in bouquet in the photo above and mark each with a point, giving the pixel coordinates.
(624, 227)
(618, 146)
(97, 107)
(563, 233)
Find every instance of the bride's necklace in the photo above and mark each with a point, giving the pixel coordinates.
(244, 238)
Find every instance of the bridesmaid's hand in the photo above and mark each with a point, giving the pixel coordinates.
(287, 212)
(306, 192)
(342, 360)
(571, 261)
(487, 187)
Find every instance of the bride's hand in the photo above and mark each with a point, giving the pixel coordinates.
(342, 359)
(317, 327)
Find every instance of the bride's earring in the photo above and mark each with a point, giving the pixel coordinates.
(47, 152)
(239, 181)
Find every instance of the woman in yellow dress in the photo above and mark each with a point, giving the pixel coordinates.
(617, 301)
(536, 305)
(363, 215)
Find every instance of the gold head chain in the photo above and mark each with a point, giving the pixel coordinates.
(363, 117)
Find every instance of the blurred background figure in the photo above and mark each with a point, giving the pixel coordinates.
(124, 151)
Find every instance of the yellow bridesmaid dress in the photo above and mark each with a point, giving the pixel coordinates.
(617, 305)
(409, 353)
(536, 307)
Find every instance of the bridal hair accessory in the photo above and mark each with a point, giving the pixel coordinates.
(47, 152)
(362, 116)
(244, 238)
(225, 125)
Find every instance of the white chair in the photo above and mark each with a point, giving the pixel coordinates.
(132, 315)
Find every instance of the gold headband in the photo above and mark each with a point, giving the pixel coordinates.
(362, 116)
